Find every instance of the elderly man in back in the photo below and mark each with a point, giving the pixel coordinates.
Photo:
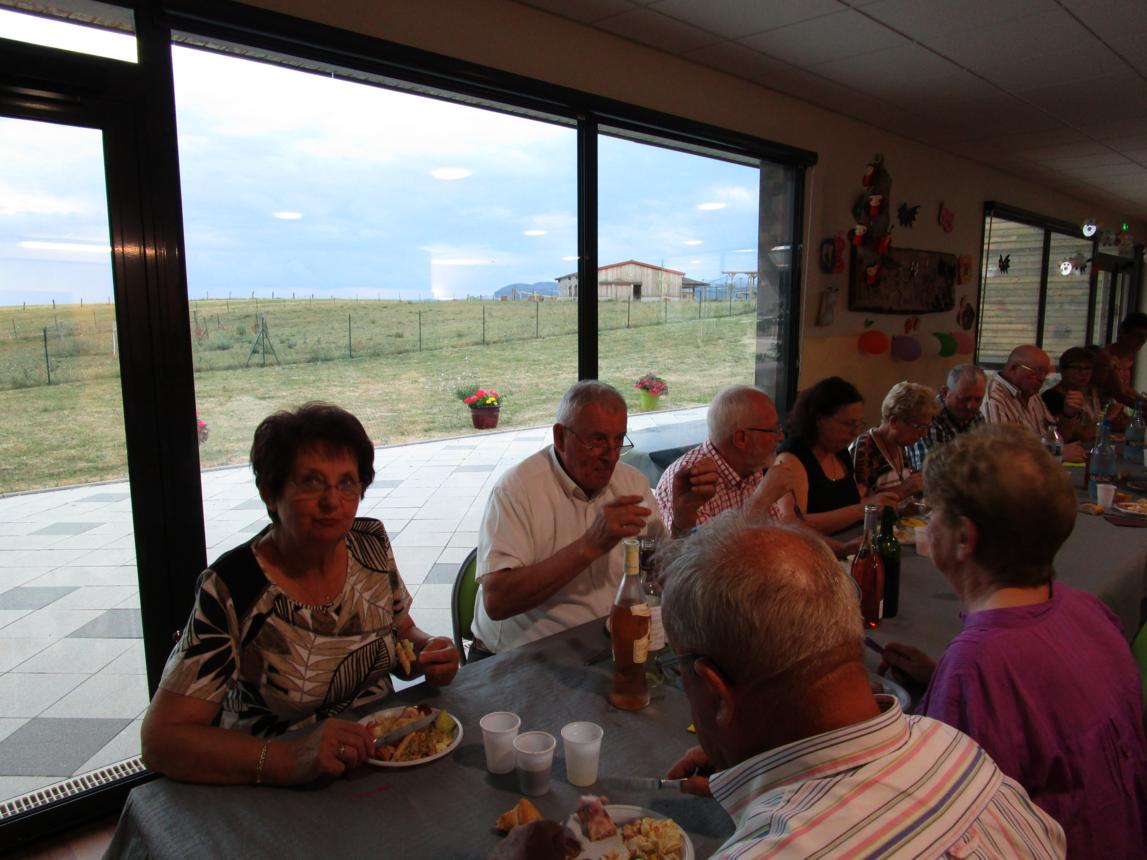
(744, 431)
(793, 743)
(959, 401)
(1012, 397)
(548, 550)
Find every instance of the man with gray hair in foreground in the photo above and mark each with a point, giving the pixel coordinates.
(793, 743)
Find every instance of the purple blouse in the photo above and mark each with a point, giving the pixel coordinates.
(1053, 694)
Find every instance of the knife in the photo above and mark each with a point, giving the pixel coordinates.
(642, 783)
(402, 731)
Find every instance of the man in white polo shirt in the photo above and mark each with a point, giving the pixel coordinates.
(549, 554)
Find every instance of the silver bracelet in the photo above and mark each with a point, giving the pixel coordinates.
(262, 761)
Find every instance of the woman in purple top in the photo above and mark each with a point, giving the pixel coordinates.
(1041, 675)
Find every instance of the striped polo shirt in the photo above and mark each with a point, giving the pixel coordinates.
(891, 786)
(1003, 404)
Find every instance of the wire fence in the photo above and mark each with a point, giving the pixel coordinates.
(74, 343)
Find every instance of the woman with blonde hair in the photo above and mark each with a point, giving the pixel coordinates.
(879, 456)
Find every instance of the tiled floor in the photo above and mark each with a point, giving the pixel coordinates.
(72, 684)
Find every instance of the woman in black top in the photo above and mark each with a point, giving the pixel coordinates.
(822, 423)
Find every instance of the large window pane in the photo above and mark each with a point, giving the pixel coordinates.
(83, 26)
(72, 685)
(1009, 304)
(380, 250)
(1065, 317)
(679, 278)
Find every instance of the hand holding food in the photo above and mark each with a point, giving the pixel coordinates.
(623, 517)
(439, 660)
(406, 656)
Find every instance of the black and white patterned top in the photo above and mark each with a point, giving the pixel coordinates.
(274, 664)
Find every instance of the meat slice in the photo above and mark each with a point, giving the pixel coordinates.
(595, 821)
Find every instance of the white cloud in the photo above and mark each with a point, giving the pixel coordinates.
(534, 232)
(287, 216)
(694, 242)
(14, 201)
(450, 174)
(711, 207)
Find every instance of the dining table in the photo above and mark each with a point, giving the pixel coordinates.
(444, 808)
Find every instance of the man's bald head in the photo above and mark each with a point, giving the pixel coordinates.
(1027, 368)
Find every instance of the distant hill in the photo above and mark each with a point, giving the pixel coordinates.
(545, 288)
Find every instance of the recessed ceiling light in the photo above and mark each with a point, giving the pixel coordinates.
(533, 232)
(287, 216)
(450, 172)
(709, 207)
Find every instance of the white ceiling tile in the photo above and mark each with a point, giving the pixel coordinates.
(734, 19)
(1093, 99)
(922, 18)
(736, 59)
(1087, 61)
(1033, 36)
(1113, 170)
(1080, 162)
(905, 73)
(657, 30)
(585, 11)
(842, 34)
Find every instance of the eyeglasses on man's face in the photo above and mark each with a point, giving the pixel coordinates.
(671, 665)
(598, 444)
(778, 430)
(313, 486)
(1041, 372)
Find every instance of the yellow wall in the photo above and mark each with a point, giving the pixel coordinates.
(526, 41)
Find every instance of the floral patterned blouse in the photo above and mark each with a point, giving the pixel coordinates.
(274, 664)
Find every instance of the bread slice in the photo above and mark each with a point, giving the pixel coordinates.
(523, 813)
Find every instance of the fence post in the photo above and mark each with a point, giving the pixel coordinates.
(537, 320)
(420, 331)
(47, 363)
(483, 325)
(700, 304)
(628, 309)
(349, 345)
(665, 304)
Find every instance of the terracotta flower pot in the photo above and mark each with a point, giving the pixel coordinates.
(484, 417)
(648, 401)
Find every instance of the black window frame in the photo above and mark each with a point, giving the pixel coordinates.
(135, 106)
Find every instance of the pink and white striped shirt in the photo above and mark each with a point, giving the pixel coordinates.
(892, 786)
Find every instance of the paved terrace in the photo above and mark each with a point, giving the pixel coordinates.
(72, 681)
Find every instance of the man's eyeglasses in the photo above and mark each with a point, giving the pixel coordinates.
(598, 446)
(313, 486)
(772, 431)
(1035, 371)
(671, 664)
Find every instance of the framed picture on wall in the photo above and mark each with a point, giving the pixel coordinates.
(902, 281)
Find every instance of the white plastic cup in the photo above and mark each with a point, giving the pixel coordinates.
(923, 545)
(582, 744)
(534, 754)
(1105, 494)
(498, 732)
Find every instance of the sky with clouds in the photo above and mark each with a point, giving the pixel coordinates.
(298, 184)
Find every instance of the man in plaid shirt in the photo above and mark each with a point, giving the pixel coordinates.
(744, 431)
(959, 403)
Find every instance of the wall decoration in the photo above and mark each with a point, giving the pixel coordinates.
(827, 308)
(945, 344)
(874, 342)
(1004, 264)
(911, 324)
(909, 282)
(870, 171)
(965, 314)
(965, 343)
(1090, 228)
(907, 214)
(946, 218)
(832, 255)
(964, 269)
(905, 348)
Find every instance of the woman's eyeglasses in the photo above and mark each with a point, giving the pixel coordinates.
(313, 486)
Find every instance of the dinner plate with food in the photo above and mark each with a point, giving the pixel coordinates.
(614, 831)
(411, 735)
(1132, 507)
(905, 528)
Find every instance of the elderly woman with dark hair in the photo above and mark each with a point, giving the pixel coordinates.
(1041, 675)
(822, 423)
(294, 626)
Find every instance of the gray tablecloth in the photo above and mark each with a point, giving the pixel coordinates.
(1100, 558)
(446, 808)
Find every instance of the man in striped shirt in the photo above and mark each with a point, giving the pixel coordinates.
(1013, 396)
(794, 745)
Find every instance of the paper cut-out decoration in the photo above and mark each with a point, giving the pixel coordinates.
(964, 269)
(965, 314)
(884, 243)
(907, 214)
(965, 343)
(870, 171)
(946, 344)
(875, 204)
(874, 342)
(906, 348)
(858, 234)
(1090, 228)
(911, 324)
(946, 218)
(908, 282)
(827, 309)
(872, 274)
(1004, 264)
(832, 255)
(1065, 268)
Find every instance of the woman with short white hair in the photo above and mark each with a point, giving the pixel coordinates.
(879, 456)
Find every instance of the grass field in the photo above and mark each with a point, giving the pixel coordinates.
(72, 431)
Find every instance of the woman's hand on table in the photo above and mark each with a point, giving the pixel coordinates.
(439, 660)
(908, 664)
(693, 769)
(333, 748)
(911, 486)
